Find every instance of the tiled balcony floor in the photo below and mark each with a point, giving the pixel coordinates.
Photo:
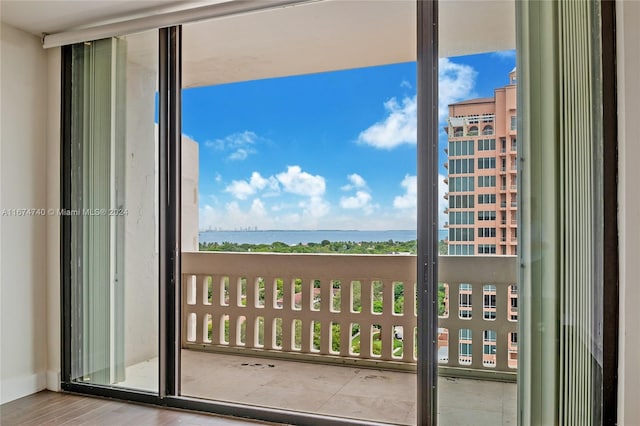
(361, 393)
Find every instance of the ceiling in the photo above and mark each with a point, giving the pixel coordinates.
(308, 38)
(52, 16)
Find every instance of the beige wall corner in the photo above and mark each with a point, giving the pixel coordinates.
(23, 269)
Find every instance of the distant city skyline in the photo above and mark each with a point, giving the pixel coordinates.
(323, 151)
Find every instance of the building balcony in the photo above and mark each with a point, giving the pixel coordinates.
(250, 319)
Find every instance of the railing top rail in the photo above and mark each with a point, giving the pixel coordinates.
(498, 268)
(326, 266)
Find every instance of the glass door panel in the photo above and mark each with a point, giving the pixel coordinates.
(113, 212)
(477, 325)
(299, 210)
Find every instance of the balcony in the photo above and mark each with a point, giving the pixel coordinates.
(249, 317)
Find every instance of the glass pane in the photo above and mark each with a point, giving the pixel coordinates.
(114, 212)
(299, 174)
(478, 220)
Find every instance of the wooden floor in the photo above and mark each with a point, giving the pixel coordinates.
(52, 408)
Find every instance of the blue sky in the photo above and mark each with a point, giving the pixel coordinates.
(323, 151)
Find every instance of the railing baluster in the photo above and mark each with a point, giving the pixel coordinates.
(306, 303)
(365, 270)
(267, 313)
(343, 317)
(324, 316)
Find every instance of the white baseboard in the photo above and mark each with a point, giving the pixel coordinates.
(53, 380)
(18, 387)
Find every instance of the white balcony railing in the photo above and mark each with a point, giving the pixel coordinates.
(301, 306)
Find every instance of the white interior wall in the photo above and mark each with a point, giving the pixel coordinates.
(23, 270)
(628, 34)
(141, 223)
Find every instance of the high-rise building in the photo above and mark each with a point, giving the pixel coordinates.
(482, 174)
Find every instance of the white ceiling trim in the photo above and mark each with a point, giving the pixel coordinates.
(161, 20)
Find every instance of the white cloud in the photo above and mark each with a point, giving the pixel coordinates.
(295, 181)
(410, 198)
(240, 144)
(257, 208)
(261, 183)
(304, 209)
(315, 207)
(405, 84)
(359, 201)
(399, 127)
(242, 189)
(240, 154)
(456, 83)
(356, 180)
(505, 54)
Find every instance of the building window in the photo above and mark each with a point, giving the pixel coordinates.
(514, 125)
(461, 249)
(461, 184)
(488, 130)
(461, 166)
(487, 215)
(486, 249)
(489, 301)
(487, 163)
(486, 144)
(486, 181)
(458, 148)
(487, 199)
(461, 218)
(461, 234)
(457, 132)
(473, 131)
(464, 301)
(486, 232)
(461, 201)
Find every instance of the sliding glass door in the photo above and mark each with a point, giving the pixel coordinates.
(110, 211)
(509, 280)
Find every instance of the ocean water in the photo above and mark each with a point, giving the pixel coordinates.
(296, 237)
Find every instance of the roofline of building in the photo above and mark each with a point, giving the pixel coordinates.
(474, 101)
